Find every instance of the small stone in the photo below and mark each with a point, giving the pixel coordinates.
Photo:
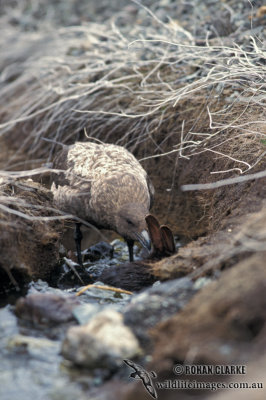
(103, 343)
(201, 282)
(98, 251)
(46, 308)
(85, 312)
(155, 305)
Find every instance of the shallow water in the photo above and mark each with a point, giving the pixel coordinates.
(32, 366)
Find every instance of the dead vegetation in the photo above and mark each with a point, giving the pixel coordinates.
(152, 87)
(30, 231)
(192, 111)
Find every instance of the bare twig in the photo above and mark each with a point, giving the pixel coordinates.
(224, 182)
(113, 289)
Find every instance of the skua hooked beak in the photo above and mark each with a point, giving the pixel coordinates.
(144, 239)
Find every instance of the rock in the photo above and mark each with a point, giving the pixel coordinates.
(156, 304)
(201, 282)
(29, 367)
(103, 343)
(46, 308)
(46, 314)
(85, 312)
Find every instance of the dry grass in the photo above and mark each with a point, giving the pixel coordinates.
(154, 88)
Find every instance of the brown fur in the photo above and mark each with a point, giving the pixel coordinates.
(137, 275)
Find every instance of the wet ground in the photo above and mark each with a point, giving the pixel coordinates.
(31, 364)
(34, 329)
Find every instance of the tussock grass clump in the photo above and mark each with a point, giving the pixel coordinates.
(127, 88)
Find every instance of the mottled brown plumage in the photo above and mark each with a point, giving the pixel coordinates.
(106, 186)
